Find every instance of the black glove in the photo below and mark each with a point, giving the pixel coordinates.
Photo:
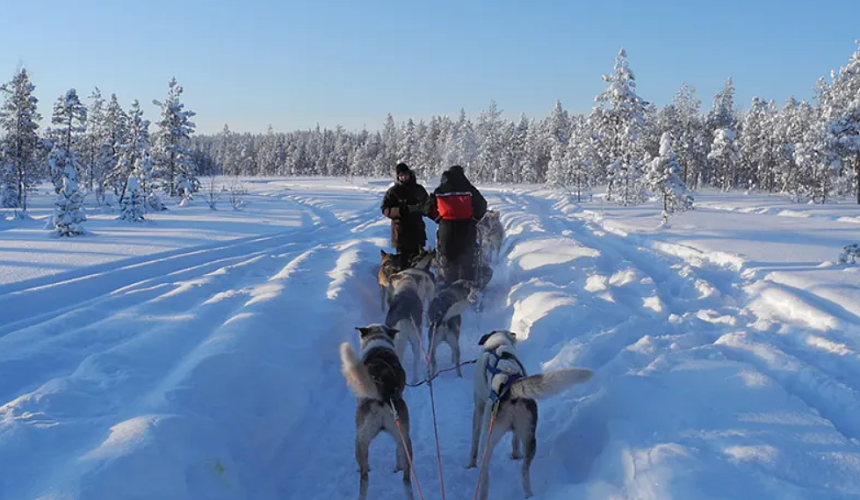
(404, 210)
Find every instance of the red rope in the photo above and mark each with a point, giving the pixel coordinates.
(406, 451)
(486, 450)
(432, 405)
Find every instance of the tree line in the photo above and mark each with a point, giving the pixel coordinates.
(807, 149)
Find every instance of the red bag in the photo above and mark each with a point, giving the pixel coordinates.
(454, 206)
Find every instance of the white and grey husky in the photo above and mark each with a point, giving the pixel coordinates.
(491, 232)
(377, 379)
(405, 314)
(445, 319)
(500, 376)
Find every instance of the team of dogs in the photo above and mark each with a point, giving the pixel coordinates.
(377, 377)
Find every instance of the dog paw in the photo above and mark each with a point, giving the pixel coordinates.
(472, 465)
(516, 456)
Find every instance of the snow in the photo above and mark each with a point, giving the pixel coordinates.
(195, 355)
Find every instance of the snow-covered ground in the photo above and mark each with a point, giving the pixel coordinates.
(196, 356)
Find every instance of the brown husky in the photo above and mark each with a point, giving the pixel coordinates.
(390, 265)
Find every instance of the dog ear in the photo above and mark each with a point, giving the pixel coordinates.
(392, 332)
(363, 330)
(485, 337)
(382, 253)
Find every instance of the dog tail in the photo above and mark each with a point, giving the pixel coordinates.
(544, 385)
(357, 377)
(456, 309)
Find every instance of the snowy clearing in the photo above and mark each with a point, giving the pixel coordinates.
(195, 356)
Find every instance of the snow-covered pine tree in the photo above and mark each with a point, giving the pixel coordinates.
(369, 155)
(390, 147)
(842, 113)
(557, 172)
(621, 125)
(507, 155)
(517, 152)
(133, 203)
(94, 138)
(407, 146)
(70, 119)
(649, 138)
(557, 132)
(664, 180)
(172, 155)
(148, 186)
(580, 157)
(19, 120)
(69, 217)
(818, 162)
(722, 114)
(753, 144)
(267, 153)
(796, 119)
(724, 157)
(134, 147)
(462, 143)
(430, 148)
(8, 196)
(689, 138)
(722, 117)
(116, 126)
(489, 134)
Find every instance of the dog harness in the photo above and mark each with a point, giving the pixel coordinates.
(502, 371)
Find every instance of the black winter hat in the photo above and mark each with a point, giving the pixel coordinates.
(401, 168)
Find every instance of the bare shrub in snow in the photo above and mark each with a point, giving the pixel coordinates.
(211, 192)
(237, 194)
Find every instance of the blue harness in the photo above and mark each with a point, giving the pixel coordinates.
(493, 369)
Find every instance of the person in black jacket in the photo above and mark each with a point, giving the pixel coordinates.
(456, 206)
(404, 204)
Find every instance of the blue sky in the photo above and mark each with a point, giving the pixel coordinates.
(293, 64)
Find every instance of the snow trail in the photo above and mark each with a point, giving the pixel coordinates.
(214, 372)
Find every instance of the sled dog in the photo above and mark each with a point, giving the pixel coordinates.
(405, 315)
(425, 281)
(426, 260)
(490, 234)
(499, 376)
(388, 266)
(378, 380)
(445, 318)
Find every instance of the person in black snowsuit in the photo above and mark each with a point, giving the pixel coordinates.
(456, 206)
(404, 204)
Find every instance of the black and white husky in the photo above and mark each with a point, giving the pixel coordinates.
(499, 376)
(377, 379)
(445, 320)
(405, 314)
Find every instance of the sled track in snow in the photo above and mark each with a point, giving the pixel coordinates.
(122, 327)
(222, 363)
(826, 382)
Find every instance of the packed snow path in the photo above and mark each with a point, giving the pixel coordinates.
(213, 372)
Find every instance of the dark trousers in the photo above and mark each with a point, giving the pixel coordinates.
(406, 254)
(459, 267)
